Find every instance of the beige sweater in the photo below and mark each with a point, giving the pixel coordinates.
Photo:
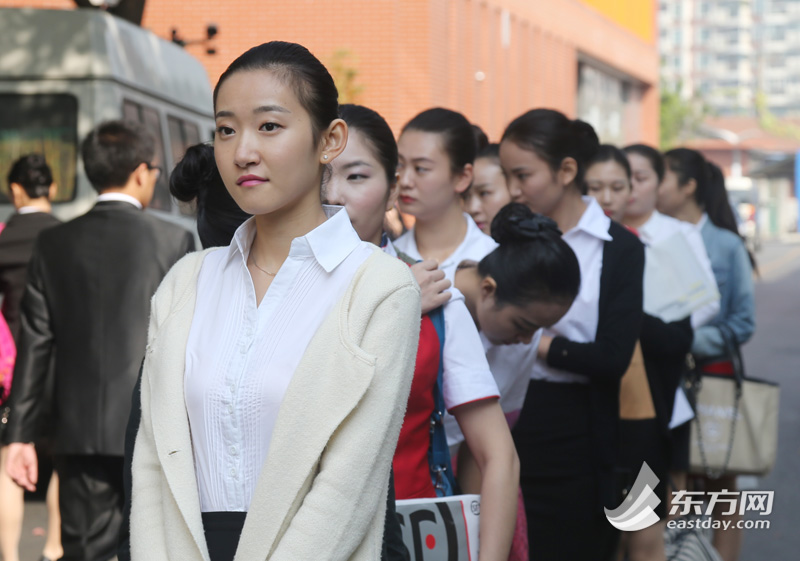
(321, 494)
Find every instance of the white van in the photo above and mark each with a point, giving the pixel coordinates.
(62, 72)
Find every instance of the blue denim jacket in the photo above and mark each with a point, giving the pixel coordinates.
(734, 275)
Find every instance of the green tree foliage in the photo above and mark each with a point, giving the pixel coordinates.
(680, 118)
(345, 75)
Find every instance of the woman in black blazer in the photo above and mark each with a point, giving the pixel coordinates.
(567, 435)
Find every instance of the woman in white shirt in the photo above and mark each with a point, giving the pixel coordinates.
(363, 181)
(567, 434)
(436, 153)
(274, 382)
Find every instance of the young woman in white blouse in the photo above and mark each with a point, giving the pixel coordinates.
(275, 381)
(436, 154)
(567, 434)
(528, 281)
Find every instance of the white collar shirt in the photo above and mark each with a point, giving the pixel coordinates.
(466, 375)
(660, 227)
(241, 356)
(28, 210)
(587, 239)
(475, 246)
(119, 197)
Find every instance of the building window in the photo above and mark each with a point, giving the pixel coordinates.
(777, 33)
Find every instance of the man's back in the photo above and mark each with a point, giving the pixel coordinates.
(89, 290)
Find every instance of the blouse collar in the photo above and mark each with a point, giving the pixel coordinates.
(593, 221)
(329, 243)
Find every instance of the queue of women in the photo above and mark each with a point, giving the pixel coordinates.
(312, 351)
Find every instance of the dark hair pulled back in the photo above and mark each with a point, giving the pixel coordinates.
(196, 178)
(33, 174)
(710, 192)
(458, 135)
(609, 153)
(652, 155)
(377, 132)
(690, 164)
(532, 262)
(490, 152)
(554, 137)
(311, 81)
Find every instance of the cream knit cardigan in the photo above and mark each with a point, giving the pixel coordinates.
(321, 494)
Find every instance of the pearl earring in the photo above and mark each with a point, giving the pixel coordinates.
(324, 156)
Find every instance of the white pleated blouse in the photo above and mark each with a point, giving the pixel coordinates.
(240, 356)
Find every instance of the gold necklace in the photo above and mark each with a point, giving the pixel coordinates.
(253, 259)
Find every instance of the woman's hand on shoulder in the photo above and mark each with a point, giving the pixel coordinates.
(432, 283)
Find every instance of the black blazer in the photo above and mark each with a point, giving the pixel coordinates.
(606, 359)
(16, 247)
(88, 301)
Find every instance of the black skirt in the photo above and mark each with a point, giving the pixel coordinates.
(559, 475)
(644, 441)
(223, 530)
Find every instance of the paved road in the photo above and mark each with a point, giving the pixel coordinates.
(774, 353)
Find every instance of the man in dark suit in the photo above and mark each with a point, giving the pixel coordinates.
(87, 302)
(31, 184)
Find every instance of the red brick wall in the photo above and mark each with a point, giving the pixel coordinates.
(414, 54)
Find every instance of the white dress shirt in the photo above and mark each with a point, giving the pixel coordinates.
(475, 246)
(660, 227)
(119, 197)
(587, 239)
(466, 376)
(240, 356)
(28, 210)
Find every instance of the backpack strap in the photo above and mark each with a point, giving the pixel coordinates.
(439, 453)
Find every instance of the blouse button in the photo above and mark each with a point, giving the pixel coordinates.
(233, 471)
(564, 352)
(233, 450)
(230, 409)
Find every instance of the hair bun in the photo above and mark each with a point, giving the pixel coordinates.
(194, 173)
(516, 223)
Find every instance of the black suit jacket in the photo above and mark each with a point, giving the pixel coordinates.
(16, 247)
(606, 359)
(88, 301)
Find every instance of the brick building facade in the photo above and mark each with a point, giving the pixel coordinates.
(490, 59)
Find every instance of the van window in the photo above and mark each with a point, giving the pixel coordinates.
(182, 134)
(43, 123)
(148, 117)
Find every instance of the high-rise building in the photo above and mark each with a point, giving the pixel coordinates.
(728, 53)
(777, 49)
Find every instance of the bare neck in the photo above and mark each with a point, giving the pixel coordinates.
(438, 238)
(637, 222)
(41, 203)
(275, 232)
(690, 212)
(569, 210)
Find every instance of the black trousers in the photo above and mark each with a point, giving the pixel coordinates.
(91, 500)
